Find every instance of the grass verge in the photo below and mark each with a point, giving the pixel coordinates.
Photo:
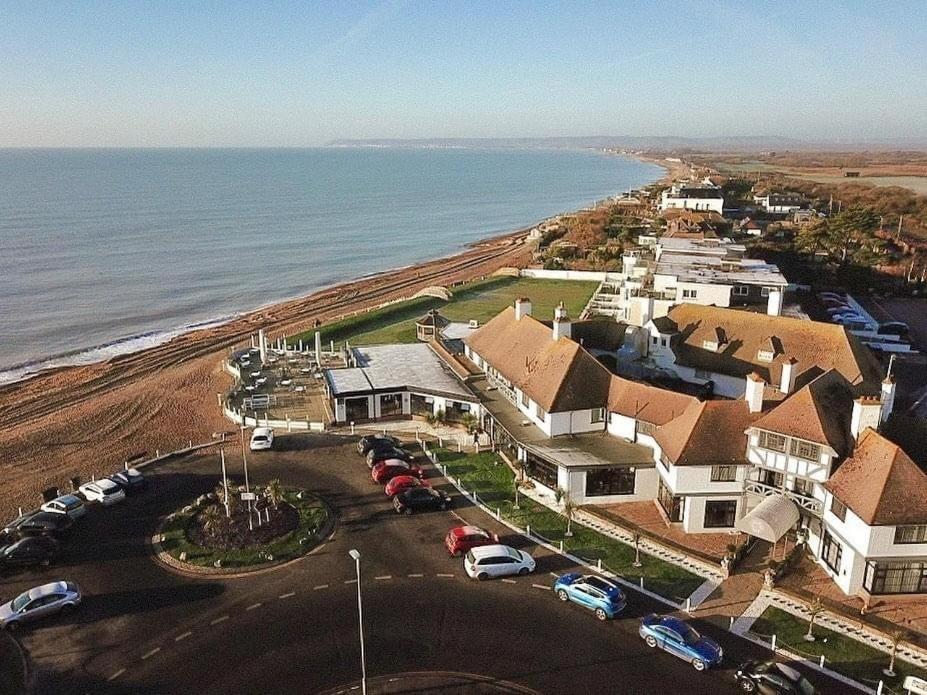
(313, 518)
(842, 653)
(489, 476)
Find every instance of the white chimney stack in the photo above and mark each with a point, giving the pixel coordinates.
(774, 305)
(522, 308)
(888, 397)
(867, 412)
(754, 393)
(562, 327)
(787, 377)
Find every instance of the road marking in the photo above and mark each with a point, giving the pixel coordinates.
(292, 593)
(116, 675)
(182, 637)
(415, 575)
(555, 575)
(541, 586)
(447, 576)
(510, 581)
(219, 620)
(320, 587)
(253, 606)
(384, 576)
(150, 654)
(350, 581)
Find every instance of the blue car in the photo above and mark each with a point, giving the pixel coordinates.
(677, 637)
(601, 596)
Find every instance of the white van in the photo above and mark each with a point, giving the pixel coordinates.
(262, 439)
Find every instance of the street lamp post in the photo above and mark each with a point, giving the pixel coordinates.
(360, 621)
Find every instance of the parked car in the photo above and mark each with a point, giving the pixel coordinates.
(385, 471)
(498, 560)
(464, 538)
(419, 499)
(28, 551)
(37, 522)
(104, 491)
(262, 439)
(374, 441)
(677, 637)
(130, 480)
(42, 601)
(72, 505)
(375, 456)
(771, 677)
(600, 595)
(400, 483)
(832, 295)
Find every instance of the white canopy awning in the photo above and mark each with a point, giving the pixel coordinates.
(770, 519)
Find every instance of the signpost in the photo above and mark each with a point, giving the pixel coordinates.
(248, 496)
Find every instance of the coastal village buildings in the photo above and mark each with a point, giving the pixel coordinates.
(690, 196)
(780, 203)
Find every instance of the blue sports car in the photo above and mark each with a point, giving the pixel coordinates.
(677, 637)
(598, 594)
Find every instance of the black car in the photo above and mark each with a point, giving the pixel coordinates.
(772, 678)
(421, 498)
(40, 523)
(130, 480)
(375, 456)
(376, 441)
(31, 550)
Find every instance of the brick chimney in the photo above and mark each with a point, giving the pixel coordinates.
(522, 308)
(888, 397)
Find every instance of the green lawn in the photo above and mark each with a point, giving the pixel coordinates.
(842, 654)
(479, 300)
(492, 480)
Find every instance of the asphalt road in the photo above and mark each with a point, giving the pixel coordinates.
(146, 629)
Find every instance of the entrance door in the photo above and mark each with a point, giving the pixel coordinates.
(391, 405)
(672, 504)
(356, 409)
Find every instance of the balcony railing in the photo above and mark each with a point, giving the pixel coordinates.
(812, 504)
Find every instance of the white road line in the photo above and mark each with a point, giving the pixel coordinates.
(415, 575)
(116, 675)
(292, 593)
(320, 587)
(541, 586)
(253, 606)
(150, 654)
(555, 575)
(180, 638)
(450, 576)
(510, 581)
(219, 620)
(350, 581)
(384, 576)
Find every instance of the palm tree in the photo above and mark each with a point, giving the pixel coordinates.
(274, 492)
(815, 609)
(569, 508)
(212, 518)
(896, 636)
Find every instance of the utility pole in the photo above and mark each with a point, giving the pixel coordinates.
(898, 233)
(360, 620)
(225, 484)
(244, 458)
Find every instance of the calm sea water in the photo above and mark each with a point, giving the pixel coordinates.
(109, 251)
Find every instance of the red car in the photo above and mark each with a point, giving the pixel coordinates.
(459, 540)
(387, 470)
(400, 483)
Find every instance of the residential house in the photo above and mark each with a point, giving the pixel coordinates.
(692, 197)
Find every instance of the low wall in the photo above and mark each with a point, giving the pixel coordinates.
(290, 425)
(541, 274)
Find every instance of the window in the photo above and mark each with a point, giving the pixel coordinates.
(702, 374)
(803, 487)
(689, 294)
(641, 427)
(524, 399)
(672, 504)
(911, 534)
(610, 481)
(831, 551)
(723, 474)
(764, 356)
(542, 414)
(741, 290)
(764, 292)
(805, 450)
(598, 415)
(541, 470)
(772, 478)
(720, 513)
(662, 342)
(710, 345)
(839, 510)
(896, 577)
(654, 340)
(773, 442)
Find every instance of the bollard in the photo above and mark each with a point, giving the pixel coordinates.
(879, 689)
(822, 661)
(688, 604)
(441, 441)
(528, 530)
(352, 427)
(498, 513)
(561, 545)
(190, 445)
(642, 581)
(731, 627)
(20, 511)
(268, 515)
(459, 449)
(772, 644)
(598, 564)
(157, 453)
(125, 465)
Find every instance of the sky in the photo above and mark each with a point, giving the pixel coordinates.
(230, 73)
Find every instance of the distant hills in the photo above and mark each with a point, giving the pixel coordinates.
(634, 143)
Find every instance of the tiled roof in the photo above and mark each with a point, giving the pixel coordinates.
(707, 433)
(817, 347)
(559, 375)
(881, 484)
(645, 402)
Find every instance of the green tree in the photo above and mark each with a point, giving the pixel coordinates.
(814, 237)
(212, 518)
(852, 236)
(274, 492)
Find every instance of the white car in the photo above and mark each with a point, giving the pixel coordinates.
(262, 439)
(66, 504)
(488, 561)
(104, 491)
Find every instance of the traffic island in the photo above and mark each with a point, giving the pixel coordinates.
(277, 526)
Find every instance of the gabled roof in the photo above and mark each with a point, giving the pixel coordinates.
(559, 375)
(881, 484)
(819, 412)
(432, 318)
(645, 402)
(817, 347)
(707, 433)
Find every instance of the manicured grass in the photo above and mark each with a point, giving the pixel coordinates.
(489, 476)
(313, 515)
(842, 653)
(479, 300)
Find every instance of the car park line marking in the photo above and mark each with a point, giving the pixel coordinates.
(182, 637)
(320, 587)
(150, 654)
(418, 574)
(446, 576)
(219, 620)
(384, 576)
(510, 581)
(116, 675)
(253, 606)
(541, 586)
(287, 595)
(350, 581)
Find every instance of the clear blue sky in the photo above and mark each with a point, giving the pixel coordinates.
(259, 73)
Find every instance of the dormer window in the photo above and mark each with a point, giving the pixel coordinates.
(765, 356)
(710, 345)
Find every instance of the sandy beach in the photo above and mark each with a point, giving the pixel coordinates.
(87, 420)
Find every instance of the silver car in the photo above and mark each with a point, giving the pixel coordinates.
(42, 601)
(72, 505)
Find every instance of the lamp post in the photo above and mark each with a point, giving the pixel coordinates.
(360, 620)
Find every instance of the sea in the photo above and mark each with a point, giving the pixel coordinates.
(108, 251)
